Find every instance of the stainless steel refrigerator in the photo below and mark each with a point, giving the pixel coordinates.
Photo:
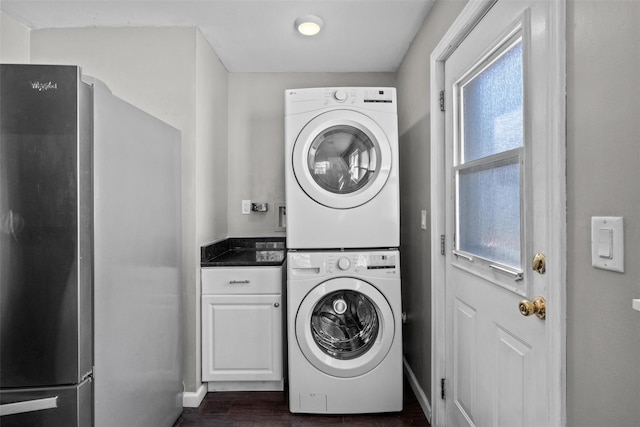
(90, 258)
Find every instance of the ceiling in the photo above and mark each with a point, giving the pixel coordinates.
(256, 35)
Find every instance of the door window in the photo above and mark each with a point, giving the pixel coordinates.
(342, 159)
(489, 158)
(345, 324)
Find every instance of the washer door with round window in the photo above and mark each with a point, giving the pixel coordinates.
(342, 159)
(345, 327)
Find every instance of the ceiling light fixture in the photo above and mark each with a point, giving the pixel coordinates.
(308, 25)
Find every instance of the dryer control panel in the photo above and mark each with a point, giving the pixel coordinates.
(353, 96)
(381, 99)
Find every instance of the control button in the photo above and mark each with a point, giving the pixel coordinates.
(344, 263)
(340, 95)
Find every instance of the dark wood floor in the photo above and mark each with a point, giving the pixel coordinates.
(259, 408)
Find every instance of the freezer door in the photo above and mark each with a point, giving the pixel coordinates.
(51, 407)
(44, 235)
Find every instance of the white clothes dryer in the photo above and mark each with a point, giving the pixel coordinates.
(344, 332)
(341, 168)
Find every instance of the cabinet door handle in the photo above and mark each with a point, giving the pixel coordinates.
(277, 304)
(236, 282)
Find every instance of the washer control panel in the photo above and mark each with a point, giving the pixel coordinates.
(359, 262)
(379, 263)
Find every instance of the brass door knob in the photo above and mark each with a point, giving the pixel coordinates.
(538, 307)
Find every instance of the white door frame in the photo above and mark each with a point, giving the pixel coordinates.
(556, 190)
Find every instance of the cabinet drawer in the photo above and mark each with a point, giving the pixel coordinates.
(241, 280)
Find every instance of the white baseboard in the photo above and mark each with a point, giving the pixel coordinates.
(417, 390)
(193, 400)
(245, 386)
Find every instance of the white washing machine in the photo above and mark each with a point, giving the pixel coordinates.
(341, 168)
(344, 332)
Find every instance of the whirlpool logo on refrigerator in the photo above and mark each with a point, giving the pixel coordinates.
(44, 86)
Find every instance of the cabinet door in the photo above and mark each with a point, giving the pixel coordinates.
(241, 338)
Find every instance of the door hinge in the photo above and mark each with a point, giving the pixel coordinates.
(441, 100)
(442, 389)
(442, 237)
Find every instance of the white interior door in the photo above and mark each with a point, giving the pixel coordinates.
(500, 191)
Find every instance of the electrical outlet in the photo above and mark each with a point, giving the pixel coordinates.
(246, 207)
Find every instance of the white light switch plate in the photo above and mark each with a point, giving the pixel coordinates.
(246, 207)
(423, 219)
(607, 243)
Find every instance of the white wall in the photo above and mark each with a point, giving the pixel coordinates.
(211, 128)
(414, 128)
(256, 139)
(151, 68)
(14, 41)
(211, 183)
(603, 172)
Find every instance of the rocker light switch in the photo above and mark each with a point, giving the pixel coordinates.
(607, 243)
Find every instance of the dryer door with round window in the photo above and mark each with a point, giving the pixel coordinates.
(342, 159)
(345, 327)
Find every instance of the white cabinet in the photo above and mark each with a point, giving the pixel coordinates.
(242, 331)
(242, 337)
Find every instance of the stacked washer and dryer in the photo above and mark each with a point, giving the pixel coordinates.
(343, 264)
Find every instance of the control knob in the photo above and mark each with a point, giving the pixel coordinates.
(344, 263)
(340, 95)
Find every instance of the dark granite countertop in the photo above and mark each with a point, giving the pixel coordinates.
(244, 252)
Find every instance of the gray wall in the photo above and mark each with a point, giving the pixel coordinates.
(256, 139)
(603, 176)
(414, 127)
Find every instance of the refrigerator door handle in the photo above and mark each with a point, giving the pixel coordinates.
(28, 406)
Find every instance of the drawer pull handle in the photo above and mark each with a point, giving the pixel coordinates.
(236, 282)
(28, 406)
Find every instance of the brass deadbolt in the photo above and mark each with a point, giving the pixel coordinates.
(539, 263)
